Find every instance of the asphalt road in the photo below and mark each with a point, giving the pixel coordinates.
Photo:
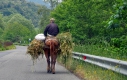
(17, 65)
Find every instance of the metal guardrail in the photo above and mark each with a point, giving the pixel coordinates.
(118, 66)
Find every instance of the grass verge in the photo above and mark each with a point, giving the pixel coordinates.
(87, 71)
(105, 51)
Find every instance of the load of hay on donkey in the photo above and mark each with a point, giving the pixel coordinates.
(35, 48)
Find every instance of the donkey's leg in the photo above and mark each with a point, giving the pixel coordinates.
(47, 55)
(53, 62)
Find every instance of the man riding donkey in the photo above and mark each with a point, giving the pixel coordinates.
(51, 44)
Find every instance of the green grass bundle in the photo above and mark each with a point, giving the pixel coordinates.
(66, 43)
(35, 49)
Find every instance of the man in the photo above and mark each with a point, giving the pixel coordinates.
(52, 29)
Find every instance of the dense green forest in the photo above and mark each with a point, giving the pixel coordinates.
(84, 19)
(18, 20)
(27, 9)
(89, 21)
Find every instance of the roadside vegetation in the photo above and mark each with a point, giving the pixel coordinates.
(104, 51)
(7, 45)
(87, 71)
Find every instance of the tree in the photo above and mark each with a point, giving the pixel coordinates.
(45, 13)
(53, 3)
(1, 32)
(1, 22)
(22, 20)
(119, 18)
(85, 19)
(2, 25)
(26, 9)
(18, 28)
(16, 32)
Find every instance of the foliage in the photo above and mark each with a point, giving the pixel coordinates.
(66, 46)
(53, 3)
(85, 19)
(104, 50)
(66, 43)
(26, 9)
(15, 32)
(18, 28)
(117, 25)
(119, 18)
(6, 45)
(44, 12)
(118, 21)
(2, 25)
(35, 49)
(119, 42)
(1, 22)
(10, 47)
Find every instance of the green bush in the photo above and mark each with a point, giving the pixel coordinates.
(116, 42)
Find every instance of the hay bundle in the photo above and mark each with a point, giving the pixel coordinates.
(35, 49)
(66, 43)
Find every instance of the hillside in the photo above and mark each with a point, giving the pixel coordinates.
(26, 9)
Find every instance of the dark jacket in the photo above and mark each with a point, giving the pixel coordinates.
(51, 29)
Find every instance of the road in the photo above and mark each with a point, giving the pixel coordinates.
(17, 65)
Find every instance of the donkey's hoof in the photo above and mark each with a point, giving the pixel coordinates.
(53, 72)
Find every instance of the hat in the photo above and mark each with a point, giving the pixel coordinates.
(52, 19)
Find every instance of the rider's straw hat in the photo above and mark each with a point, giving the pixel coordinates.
(52, 19)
